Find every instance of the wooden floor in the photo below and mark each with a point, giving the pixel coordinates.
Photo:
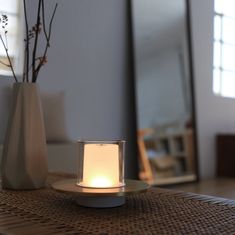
(220, 187)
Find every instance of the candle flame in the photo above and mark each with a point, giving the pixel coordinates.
(100, 182)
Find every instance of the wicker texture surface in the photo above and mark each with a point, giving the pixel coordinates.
(159, 211)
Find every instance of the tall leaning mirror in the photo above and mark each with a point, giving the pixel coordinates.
(164, 91)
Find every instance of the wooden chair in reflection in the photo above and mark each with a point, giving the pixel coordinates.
(150, 167)
(145, 172)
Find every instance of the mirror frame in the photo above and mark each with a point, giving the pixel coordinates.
(192, 81)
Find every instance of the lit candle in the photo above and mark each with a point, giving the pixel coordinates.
(101, 166)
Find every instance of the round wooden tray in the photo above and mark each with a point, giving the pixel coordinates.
(70, 186)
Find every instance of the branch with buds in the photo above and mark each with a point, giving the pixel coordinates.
(32, 61)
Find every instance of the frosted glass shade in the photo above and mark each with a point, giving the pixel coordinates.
(101, 164)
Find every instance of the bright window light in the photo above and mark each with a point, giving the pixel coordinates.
(11, 9)
(224, 48)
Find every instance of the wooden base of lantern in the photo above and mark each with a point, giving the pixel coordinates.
(100, 202)
(100, 197)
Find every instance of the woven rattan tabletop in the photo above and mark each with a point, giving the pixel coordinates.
(158, 211)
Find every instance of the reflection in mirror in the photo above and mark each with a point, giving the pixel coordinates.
(163, 91)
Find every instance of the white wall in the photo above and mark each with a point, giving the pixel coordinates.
(214, 114)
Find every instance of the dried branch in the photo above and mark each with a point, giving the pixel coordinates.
(51, 21)
(25, 71)
(48, 36)
(37, 59)
(36, 62)
(43, 20)
(6, 39)
(37, 26)
(26, 67)
(9, 59)
(1, 62)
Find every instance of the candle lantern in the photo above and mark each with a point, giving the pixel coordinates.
(100, 182)
(101, 164)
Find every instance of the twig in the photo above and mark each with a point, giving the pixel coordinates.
(6, 40)
(36, 42)
(4, 64)
(38, 58)
(50, 25)
(43, 20)
(26, 68)
(9, 59)
(48, 36)
(36, 62)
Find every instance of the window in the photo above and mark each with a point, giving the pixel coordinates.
(224, 48)
(11, 9)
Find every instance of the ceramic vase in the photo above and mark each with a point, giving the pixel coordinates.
(24, 160)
